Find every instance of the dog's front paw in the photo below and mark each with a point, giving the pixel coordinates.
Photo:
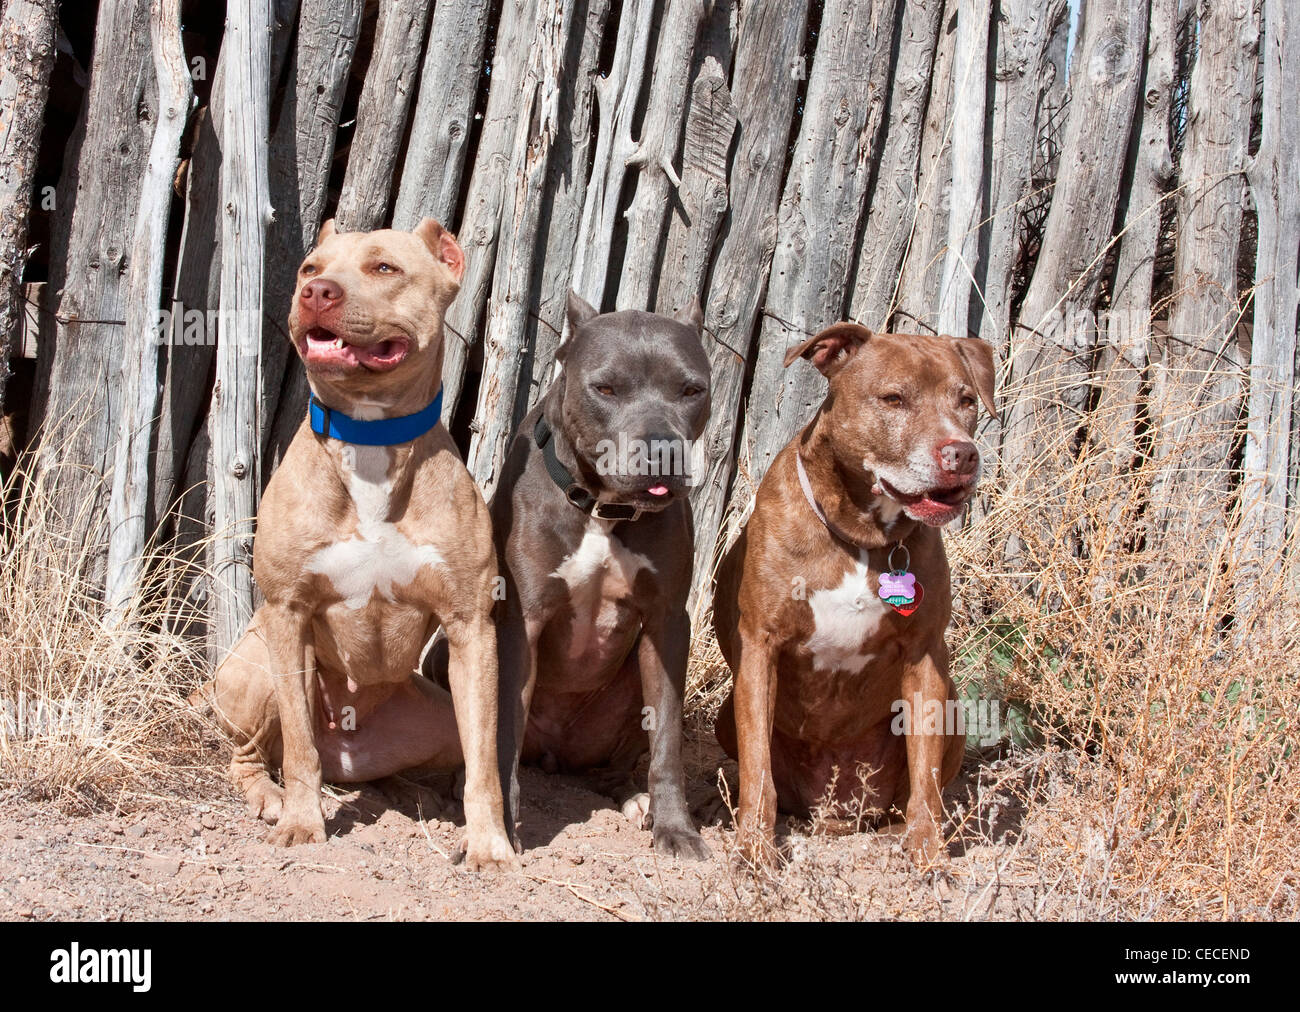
(681, 841)
(265, 801)
(493, 853)
(757, 850)
(923, 843)
(293, 829)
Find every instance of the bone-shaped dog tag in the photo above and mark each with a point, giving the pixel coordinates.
(898, 588)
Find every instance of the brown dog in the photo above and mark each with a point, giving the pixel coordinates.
(821, 662)
(370, 536)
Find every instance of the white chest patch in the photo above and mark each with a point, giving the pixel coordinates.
(600, 562)
(599, 573)
(844, 618)
(379, 557)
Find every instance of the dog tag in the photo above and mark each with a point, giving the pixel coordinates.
(898, 588)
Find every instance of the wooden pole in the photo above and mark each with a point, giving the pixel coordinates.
(892, 207)
(965, 204)
(656, 149)
(1274, 176)
(246, 205)
(302, 151)
(480, 226)
(617, 94)
(508, 322)
(562, 213)
(769, 58)
(702, 195)
(825, 193)
(1051, 346)
(128, 508)
(381, 115)
(440, 130)
(27, 30)
(1198, 369)
(77, 404)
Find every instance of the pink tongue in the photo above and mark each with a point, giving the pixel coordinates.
(658, 490)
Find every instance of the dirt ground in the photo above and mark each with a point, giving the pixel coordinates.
(388, 859)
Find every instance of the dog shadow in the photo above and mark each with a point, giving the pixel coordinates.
(414, 796)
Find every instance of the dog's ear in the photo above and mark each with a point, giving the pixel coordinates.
(326, 230)
(831, 349)
(692, 314)
(977, 354)
(580, 310)
(444, 246)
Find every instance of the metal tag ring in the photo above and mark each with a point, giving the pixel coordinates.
(906, 565)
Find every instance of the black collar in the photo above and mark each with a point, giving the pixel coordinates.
(568, 484)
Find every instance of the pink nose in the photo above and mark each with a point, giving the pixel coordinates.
(320, 294)
(957, 457)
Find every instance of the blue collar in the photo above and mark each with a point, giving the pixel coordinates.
(380, 432)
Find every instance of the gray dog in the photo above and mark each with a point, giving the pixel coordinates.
(594, 535)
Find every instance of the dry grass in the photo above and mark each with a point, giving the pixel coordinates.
(93, 709)
(1158, 662)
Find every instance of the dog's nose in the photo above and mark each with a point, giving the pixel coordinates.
(320, 294)
(958, 456)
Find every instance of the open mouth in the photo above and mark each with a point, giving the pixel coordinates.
(936, 506)
(324, 349)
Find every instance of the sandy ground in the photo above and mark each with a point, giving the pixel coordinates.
(387, 858)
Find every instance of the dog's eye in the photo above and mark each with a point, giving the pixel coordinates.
(967, 401)
(604, 389)
(691, 390)
(308, 269)
(384, 267)
(893, 400)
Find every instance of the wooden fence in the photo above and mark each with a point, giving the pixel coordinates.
(1114, 195)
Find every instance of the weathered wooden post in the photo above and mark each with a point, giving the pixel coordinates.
(507, 323)
(927, 238)
(1051, 346)
(1122, 356)
(128, 508)
(567, 186)
(449, 82)
(381, 114)
(693, 232)
(27, 30)
(1198, 369)
(77, 401)
(965, 203)
(480, 224)
(892, 206)
(823, 201)
(246, 206)
(617, 95)
(302, 150)
(656, 149)
(1274, 176)
(769, 61)
(1023, 73)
